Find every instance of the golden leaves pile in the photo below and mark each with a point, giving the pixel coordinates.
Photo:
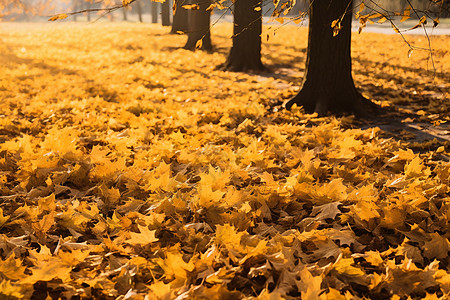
(132, 170)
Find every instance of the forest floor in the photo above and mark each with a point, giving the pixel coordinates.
(133, 169)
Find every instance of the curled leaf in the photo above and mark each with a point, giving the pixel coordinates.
(58, 17)
(436, 22)
(191, 6)
(337, 26)
(199, 44)
(406, 14)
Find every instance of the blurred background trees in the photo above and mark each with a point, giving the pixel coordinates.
(328, 85)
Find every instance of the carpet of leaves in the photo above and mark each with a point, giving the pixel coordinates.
(132, 169)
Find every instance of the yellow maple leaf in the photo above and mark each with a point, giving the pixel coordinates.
(436, 248)
(228, 236)
(174, 265)
(333, 191)
(112, 195)
(394, 217)
(215, 178)
(415, 168)
(233, 197)
(178, 137)
(73, 257)
(12, 268)
(10, 291)
(44, 254)
(345, 267)
(334, 294)
(48, 270)
(161, 179)
(47, 203)
(145, 236)
(207, 197)
(98, 155)
(41, 227)
(372, 257)
(311, 290)
(161, 290)
(3, 219)
(63, 142)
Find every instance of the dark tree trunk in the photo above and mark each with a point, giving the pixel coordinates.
(328, 83)
(154, 9)
(75, 6)
(165, 13)
(199, 22)
(403, 5)
(180, 18)
(88, 6)
(245, 54)
(124, 14)
(139, 10)
(445, 9)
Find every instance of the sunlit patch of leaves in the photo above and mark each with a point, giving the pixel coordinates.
(126, 172)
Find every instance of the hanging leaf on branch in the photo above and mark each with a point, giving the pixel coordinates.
(58, 17)
(191, 6)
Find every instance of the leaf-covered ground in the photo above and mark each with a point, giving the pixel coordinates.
(131, 169)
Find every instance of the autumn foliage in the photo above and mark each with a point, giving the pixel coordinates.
(130, 169)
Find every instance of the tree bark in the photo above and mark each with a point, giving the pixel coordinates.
(180, 17)
(139, 10)
(165, 13)
(75, 8)
(88, 14)
(445, 9)
(154, 10)
(199, 22)
(328, 83)
(124, 14)
(245, 54)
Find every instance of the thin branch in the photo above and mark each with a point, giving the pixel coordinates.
(105, 10)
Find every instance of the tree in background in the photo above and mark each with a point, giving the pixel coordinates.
(139, 10)
(124, 14)
(154, 11)
(199, 20)
(245, 54)
(180, 17)
(328, 83)
(165, 13)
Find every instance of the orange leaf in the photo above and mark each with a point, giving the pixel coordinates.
(58, 17)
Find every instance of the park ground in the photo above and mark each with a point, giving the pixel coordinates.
(133, 169)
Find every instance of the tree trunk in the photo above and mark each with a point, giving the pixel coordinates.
(154, 9)
(445, 9)
(75, 8)
(124, 13)
(139, 10)
(180, 18)
(328, 83)
(245, 54)
(199, 22)
(88, 6)
(165, 13)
